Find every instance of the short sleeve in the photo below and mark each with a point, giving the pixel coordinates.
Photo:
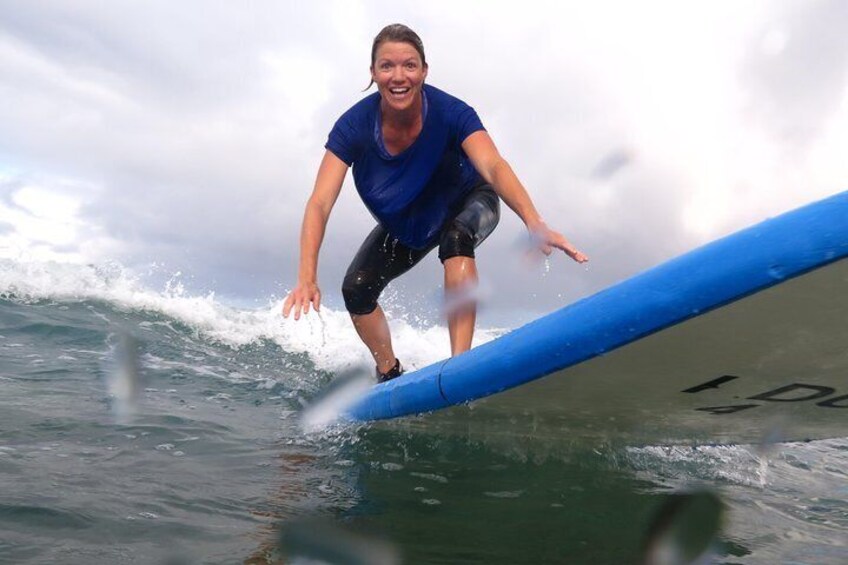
(342, 141)
(467, 121)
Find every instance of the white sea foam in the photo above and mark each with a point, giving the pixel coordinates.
(748, 465)
(327, 337)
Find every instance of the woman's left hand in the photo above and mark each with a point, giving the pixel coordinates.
(546, 240)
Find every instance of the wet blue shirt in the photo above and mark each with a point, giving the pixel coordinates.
(411, 194)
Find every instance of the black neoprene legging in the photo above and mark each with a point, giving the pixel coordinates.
(382, 258)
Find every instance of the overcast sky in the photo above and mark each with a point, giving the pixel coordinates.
(185, 136)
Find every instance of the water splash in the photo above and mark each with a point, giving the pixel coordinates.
(328, 339)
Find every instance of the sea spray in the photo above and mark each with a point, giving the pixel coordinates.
(329, 341)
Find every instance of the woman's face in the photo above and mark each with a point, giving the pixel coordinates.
(399, 74)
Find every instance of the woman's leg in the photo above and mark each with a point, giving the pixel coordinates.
(460, 284)
(379, 260)
(373, 330)
(476, 220)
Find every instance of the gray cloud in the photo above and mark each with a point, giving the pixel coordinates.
(797, 69)
(194, 131)
(8, 187)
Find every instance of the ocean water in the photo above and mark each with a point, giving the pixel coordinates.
(140, 425)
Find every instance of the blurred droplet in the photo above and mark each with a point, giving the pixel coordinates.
(529, 246)
(612, 163)
(773, 437)
(465, 297)
(685, 529)
(775, 434)
(319, 542)
(124, 381)
(777, 272)
(331, 404)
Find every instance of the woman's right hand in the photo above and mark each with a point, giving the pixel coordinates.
(299, 299)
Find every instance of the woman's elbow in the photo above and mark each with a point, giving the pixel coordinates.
(497, 169)
(318, 208)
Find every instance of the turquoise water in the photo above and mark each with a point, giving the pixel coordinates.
(205, 460)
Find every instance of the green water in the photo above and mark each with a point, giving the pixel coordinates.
(211, 466)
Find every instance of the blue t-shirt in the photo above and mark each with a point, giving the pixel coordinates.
(411, 194)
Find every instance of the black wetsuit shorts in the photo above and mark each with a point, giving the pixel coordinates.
(382, 258)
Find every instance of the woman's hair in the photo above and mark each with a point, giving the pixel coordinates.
(398, 33)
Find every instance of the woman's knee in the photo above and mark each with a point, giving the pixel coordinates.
(360, 290)
(456, 241)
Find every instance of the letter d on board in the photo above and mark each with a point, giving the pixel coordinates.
(834, 402)
(815, 391)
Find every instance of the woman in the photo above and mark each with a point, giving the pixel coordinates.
(430, 175)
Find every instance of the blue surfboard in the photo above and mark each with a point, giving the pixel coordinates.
(741, 340)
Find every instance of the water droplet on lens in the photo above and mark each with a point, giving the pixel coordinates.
(777, 272)
(685, 529)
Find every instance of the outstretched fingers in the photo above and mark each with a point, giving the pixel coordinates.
(287, 305)
(572, 251)
(315, 299)
(549, 240)
(299, 301)
(293, 302)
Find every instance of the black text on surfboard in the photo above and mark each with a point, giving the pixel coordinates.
(794, 392)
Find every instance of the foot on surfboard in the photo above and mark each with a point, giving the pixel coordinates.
(392, 373)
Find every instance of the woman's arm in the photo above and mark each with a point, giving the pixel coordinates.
(328, 184)
(496, 171)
